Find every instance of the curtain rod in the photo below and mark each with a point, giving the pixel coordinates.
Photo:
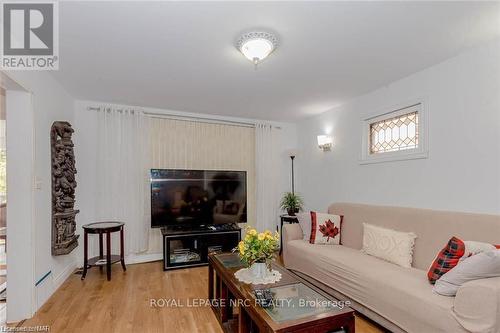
(193, 118)
(199, 119)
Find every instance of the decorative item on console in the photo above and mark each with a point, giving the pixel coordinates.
(256, 251)
(292, 203)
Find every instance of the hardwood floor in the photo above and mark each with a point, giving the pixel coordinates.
(123, 304)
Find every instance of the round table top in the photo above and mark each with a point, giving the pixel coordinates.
(105, 225)
(286, 216)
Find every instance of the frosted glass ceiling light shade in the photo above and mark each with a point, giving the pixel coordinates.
(256, 46)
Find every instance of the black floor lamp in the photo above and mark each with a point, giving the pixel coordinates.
(293, 154)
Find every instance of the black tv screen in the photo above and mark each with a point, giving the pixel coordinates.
(197, 197)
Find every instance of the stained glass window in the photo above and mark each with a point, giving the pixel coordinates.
(394, 134)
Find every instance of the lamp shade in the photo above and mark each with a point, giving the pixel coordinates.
(292, 152)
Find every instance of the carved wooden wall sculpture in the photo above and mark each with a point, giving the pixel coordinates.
(64, 239)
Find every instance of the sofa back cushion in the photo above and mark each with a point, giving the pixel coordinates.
(433, 228)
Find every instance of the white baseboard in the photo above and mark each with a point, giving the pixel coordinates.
(137, 259)
(142, 258)
(64, 275)
(50, 283)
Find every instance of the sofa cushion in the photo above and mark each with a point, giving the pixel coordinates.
(387, 244)
(325, 229)
(446, 259)
(480, 266)
(434, 228)
(402, 295)
(473, 248)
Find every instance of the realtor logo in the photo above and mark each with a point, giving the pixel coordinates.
(30, 36)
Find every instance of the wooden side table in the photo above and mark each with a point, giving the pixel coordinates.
(288, 219)
(101, 228)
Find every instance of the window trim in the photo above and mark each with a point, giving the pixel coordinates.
(400, 155)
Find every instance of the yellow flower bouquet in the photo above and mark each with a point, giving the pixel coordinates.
(257, 247)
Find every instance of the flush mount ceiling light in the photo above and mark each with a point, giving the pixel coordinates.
(256, 46)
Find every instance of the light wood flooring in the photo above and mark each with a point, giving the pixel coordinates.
(123, 304)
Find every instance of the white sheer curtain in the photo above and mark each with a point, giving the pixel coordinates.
(181, 144)
(267, 140)
(122, 173)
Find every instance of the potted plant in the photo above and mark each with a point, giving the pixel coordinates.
(292, 203)
(256, 251)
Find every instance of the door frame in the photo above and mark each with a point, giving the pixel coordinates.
(20, 200)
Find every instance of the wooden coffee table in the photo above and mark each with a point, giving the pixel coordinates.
(299, 307)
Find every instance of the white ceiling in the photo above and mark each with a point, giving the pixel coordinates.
(181, 56)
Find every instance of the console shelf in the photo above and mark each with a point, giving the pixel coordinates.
(190, 248)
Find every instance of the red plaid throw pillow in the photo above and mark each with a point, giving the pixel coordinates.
(325, 229)
(446, 259)
(453, 253)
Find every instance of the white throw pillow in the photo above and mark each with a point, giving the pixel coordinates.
(479, 266)
(387, 244)
(473, 248)
(305, 223)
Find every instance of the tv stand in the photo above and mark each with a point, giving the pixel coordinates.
(190, 246)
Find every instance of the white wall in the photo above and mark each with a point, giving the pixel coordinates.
(20, 273)
(462, 172)
(85, 122)
(50, 102)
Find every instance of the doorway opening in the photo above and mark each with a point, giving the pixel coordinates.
(3, 209)
(17, 258)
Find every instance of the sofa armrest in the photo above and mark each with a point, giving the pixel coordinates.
(290, 232)
(477, 305)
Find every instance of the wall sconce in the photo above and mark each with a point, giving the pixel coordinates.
(325, 142)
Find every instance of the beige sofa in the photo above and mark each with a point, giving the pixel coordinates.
(400, 299)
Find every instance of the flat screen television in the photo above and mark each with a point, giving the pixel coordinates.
(197, 197)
